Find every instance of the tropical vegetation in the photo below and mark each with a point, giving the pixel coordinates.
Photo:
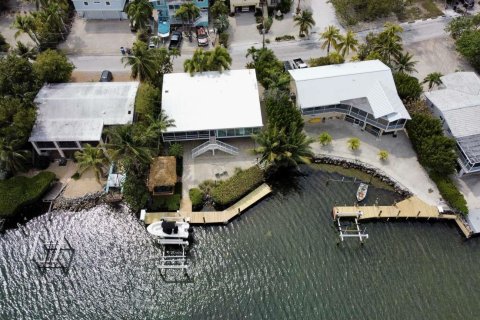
(269, 69)
(433, 79)
(217, 59)
(52, 66)
(196, 196)
(20, 191)
(331, 37)
(353, 11)
(325, 138)
(347, 43)
(231, 190)
(218, 8)
(4, 46)
(383, 155)
(408, 87)
(139, 13)
(304, 22)
(465, 30)
(353, 143)
(188, 12)
(91, 158)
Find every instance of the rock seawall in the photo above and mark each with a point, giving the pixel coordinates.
(78, 204)
(358, 165)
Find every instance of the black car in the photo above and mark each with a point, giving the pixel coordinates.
(175, 40)
(106, 76)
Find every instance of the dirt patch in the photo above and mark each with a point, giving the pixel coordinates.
(88, 76)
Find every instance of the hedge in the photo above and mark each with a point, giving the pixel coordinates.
(166, 203)
(19, 191)
(196, 196)
(236, 187)
(449, 192)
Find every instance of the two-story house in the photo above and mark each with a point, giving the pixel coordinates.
(166, 14)
(100, 9)
(247, 5)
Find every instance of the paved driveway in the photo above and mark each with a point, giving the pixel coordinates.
(98, 37)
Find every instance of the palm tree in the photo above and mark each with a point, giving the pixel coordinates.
(143, 62)
(389, 42)
(325, 138)
(188, 11)
(433, 79)
(127, 147)
(383, 155)
(11, 159)
(404, 63)
(347, 43)
(353, 143)
(304, 22)
(25, 24)
(52, 15)
(139, 12)
(218, 59)
(158, 125)
(91, 158)
(25, 51)
(221, 23)
(280, 150)
(198, 62)
(331, 35)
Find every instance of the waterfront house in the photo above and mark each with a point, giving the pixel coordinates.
(70, 115)
(162, 176)
(212, 106)
(362, 93)
(457, 104)
(166, 15)
(250, 5)
(100, 9)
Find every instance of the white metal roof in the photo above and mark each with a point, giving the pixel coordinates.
(76, 111)
(212, 100)
(328, 85)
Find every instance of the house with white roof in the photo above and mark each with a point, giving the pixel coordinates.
(70, 115)
(362, 93)
(457, 104)
(212, 106)
(100, 9)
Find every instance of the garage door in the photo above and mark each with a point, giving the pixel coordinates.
(92, 15)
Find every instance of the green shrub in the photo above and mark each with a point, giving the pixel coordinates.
(76, 176)
(196, 196)
(236, 187)
(284, 6)
(19, 191)
(4, 46)
(408, 87)
(223, 39)
(135, 191)
(166, 203)
(286, 37)
(450, 193)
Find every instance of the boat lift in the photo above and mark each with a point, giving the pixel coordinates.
(54, 254)
(351, 230)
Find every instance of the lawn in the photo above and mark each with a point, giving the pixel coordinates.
(19, 191)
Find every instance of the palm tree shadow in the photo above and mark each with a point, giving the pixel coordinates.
(286, 180)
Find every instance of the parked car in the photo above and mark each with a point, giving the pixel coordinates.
(175, 40)
(299, 63)
(202, 37)
(287, 65)
(106, 76)
(153, 42)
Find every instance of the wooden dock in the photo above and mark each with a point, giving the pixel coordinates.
(412, 207)
(213, 217)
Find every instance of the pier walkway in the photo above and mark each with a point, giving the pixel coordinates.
(412, 207)
(213, 217)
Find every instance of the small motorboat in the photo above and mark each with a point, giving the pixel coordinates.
(170, 229)
(362, 191)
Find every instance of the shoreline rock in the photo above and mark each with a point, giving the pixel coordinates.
(86, 202)
(370, 170)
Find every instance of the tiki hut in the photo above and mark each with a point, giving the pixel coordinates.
(163, 176)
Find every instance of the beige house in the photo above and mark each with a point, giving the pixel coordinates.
(162, 176)
(247, 5)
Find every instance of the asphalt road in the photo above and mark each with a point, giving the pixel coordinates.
(305, 49)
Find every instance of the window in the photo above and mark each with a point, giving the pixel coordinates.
(68, 144)
(45, 145)
(107, 3)
(85, 3)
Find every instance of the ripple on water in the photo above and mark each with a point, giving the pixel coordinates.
(279, 260)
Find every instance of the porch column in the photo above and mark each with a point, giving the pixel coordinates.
(58, 149)
(102, 145)
(34, 144)
(79, 145)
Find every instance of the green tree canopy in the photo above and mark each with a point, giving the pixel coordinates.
(438, 153)
(218, 8)
(269, 69)
(17, 78)
(148, 101)
(469, 46)
(331, 37)
(408, 87)
(304, 22)
(433, 79)
(53, 66)
(139, 13)
(281, 112)
(423, 126)
(217, 59)
(91, 158)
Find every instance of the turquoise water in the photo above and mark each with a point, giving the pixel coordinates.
(279, 260)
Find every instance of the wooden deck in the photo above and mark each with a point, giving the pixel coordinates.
(213, 217)
(412, 207)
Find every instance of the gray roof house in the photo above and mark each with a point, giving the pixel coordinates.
(362, 93)
(457, 103)
(72, 114)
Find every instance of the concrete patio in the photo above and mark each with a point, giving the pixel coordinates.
(402, 164)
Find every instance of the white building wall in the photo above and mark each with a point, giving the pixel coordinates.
(100, 9)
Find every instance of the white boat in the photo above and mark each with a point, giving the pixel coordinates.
(362, 191)
(170, 229)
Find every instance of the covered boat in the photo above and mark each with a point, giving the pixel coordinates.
(362, 191)
(170, 229)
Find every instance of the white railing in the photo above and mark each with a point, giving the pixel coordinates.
(214, 144)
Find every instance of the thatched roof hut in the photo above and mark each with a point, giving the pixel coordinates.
(163, 175)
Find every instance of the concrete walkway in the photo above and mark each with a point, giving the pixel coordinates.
(401, 166)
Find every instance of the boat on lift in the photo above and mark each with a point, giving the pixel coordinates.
(362, 191)
(171, 231)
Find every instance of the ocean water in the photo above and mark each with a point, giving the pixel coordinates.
(279, 260)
